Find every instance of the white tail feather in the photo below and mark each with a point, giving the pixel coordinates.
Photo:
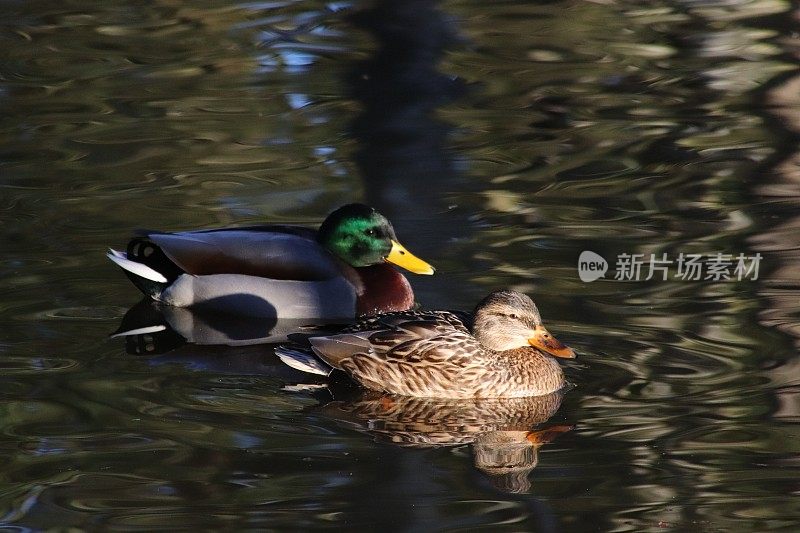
(304, 362)
(144, 271)
(304, 387)
(139, 331)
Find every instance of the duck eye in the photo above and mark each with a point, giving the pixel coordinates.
(370, 232)
(513, 316)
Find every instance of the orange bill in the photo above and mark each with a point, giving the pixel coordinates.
(403, 258)
(543, 436)
(542, 339)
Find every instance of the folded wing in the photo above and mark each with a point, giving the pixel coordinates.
(270, 254)
(408, 355)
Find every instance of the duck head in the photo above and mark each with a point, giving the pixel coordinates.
(506, 320)
(361, 236)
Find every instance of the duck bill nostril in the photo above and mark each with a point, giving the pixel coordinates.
(543, 340)
(403, 258)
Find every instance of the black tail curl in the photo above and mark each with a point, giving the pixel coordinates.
(143, 250)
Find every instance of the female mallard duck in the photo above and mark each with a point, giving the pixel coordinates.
(433, 354)
(337, 272)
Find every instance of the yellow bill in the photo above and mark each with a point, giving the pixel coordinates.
(542, 339)
(405, 259)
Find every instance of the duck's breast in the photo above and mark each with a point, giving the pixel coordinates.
(521, 372)
(382, 289)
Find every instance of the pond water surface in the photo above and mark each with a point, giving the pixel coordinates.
(502, 139)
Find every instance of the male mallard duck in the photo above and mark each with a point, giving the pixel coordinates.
(433, 353)
(337, 272)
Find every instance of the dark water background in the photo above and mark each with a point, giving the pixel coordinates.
(502, 139)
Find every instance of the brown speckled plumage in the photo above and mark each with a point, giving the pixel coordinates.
(432, 422)
(434, 354)
(505, 433)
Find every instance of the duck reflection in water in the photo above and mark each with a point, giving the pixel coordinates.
(197, 326)
(505, 433)
(212, 341)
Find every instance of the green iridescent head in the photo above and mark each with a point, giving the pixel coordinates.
(361, 236)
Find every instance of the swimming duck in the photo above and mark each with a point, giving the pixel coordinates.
(508, 352)
(340, 271)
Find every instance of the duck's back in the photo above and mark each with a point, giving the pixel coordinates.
(275, 252)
